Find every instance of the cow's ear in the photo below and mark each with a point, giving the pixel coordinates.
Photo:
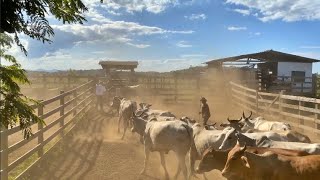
(245, 162)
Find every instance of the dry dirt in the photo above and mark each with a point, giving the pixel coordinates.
(93, 150)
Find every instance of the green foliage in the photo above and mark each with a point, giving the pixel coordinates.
(29, 17)
(14, 106)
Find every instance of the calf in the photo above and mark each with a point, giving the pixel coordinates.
(270, 165)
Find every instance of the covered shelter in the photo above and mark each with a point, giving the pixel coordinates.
(274, 70)
(118, 65)
(119, 73)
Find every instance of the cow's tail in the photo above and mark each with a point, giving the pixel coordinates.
(133, 113)
(192, 150)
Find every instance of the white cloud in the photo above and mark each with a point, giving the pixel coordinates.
(257, 33)
(79, 46)
(122, 27)
(196, 17)
(244, 12)
(237, 28)
(152, 6)
(112, 32)
(310, 47)
(141, 46)
(286, 10)
(183, 44)
(15, 50)
(193, 55)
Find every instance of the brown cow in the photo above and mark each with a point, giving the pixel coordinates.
(270, 165)
(212, 159)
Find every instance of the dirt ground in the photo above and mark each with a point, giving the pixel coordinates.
(93, 150)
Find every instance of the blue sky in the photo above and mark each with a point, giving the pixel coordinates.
(165, 35)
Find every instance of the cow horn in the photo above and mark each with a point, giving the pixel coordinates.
(214, 124)
(243, 115)
(238, 143)
(240, 119)
(228, 120)
(250, 115)
(242, 149)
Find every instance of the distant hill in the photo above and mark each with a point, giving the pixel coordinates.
(100, 72)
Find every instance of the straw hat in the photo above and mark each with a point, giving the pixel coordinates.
(202, 99)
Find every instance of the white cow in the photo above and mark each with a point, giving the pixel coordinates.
(231, 137)
(148, 113)
(203, 139)
(266, 142)
(126, 109)
(163, 136)
(259, 123)
(309, 148)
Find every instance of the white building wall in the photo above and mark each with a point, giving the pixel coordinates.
(285, 69)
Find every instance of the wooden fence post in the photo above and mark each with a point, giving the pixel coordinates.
(257, 102)
(3, 153)
(75, 102)
(301, 121)
(40, 126)
(280, 104)
(316, 116)
(62, 111)
(314, 85)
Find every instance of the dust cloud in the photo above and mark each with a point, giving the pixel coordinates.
(93, 149)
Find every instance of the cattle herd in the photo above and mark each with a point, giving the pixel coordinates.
(247, 148)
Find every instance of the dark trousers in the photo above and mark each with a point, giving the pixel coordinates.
(205, 120)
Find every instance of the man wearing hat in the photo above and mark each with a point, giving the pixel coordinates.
(205, 111)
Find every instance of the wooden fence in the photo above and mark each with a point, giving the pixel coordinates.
(301, 112)
(70, 104)
(53, 81)
(170, 89)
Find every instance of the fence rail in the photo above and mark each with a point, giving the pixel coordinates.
(301, 112)
(80, 100)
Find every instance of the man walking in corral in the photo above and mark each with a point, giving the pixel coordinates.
(205, 111)
(100, 90)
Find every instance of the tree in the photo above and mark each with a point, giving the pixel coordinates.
(27, 17)
(14, 106)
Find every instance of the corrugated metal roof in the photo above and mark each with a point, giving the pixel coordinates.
(267, 56)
